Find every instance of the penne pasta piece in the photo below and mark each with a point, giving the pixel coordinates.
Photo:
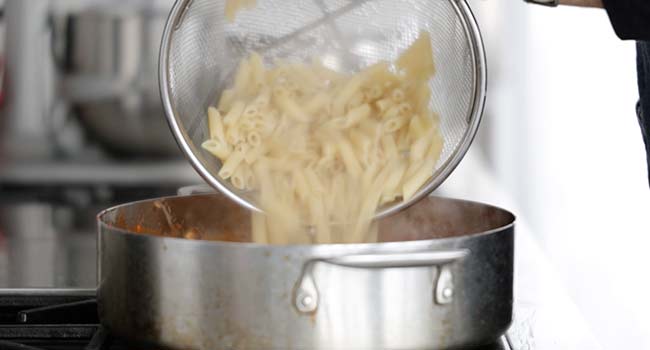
(375, 92)
(218, 149)
(417, 61)
(254, 139)
(250, 112)
(390, 190)
(368, 176)
(314, 182)
(248, 124)
(258, 72)
(234, 113)
(420, 147)
(362, 146)
(356, 115)
(251, 180)
(394, 124)
(292, 109)
(226, 100)
(384, 105)
(403, 141)
(320, 220)
(350, 88)
(238, 178)
(263, 100)
(253, 154)
(243, 78)
(302, 186)
(319, 102)
(233, 136)
(421, 97)
(391, 112)
(368, 206)
(389, 146)
(405, 108)
(417, 179)
(259, 228)
(215, 125)
(379, 74)
(349, 159)
(356, 100)
(230, 165)
(398, 95)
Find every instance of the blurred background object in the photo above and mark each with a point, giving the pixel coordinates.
(85, 65)
(562, 140)
(81, 129)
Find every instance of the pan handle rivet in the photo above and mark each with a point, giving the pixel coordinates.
(448, 292)
(307, 301)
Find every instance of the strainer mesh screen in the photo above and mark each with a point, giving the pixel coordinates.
(204, 51)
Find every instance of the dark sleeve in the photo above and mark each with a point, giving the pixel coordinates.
(631, 18)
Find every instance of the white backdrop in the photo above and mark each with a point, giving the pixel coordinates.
(562, 137)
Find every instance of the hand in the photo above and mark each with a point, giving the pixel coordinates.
(583, 3)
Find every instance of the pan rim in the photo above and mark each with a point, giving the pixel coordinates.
(106, 228)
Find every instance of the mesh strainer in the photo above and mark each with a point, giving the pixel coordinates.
(201, 50)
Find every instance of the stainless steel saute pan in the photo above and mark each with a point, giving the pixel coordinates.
(181, 272)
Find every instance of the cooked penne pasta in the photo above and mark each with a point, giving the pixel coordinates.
(417, 61)
(219, 149)
(341, 100)
(322, 150)
(234, 113)
(356, 115)
(238, 178)
(319, 102)
(231, 164)
(259, 228)
(226, 100)
(394, 124)
(215, 125)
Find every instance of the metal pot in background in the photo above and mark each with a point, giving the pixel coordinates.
(441, 277)
(96, 59)
(108, 56)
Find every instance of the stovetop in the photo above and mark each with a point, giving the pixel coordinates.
(67, 320)
(52, 320)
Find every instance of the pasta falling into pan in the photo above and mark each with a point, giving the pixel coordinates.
(322, 150)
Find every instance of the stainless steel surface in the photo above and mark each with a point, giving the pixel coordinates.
(98, 172)
(42, 247)
(539, 294)
(306, 292)
(111, 79)
(200, 50)
(224, 292)
(29, 80)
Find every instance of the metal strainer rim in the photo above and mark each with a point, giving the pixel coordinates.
(475, 115)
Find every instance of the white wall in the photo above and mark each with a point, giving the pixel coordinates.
(562, 136)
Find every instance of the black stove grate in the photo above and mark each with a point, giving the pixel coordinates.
(37, 321)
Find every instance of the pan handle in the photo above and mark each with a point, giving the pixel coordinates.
(385, 261)
(306, 296)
